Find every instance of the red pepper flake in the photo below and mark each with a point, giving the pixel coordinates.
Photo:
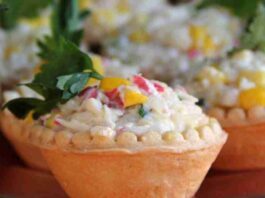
(141, 83)
(114, 98)
(159, 87)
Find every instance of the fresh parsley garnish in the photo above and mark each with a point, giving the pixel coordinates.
(254, 37)
(241, 8)
(67, 20)
(18, 9)
(62, 77)
(142, 112)
(65, 71)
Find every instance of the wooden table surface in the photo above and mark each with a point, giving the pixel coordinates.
(18, 181)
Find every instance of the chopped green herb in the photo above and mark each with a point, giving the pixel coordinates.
(241, 8)
(142, 112)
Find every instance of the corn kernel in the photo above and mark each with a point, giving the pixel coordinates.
(198, 34)
(139, 36)
(258, 77)
(252, 97)
(133, 98)
(214, 75)
(110, 83)
(123, 6)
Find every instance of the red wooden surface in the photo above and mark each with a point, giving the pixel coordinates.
(18, 181)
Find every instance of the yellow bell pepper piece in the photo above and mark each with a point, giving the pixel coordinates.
(252, 97)
(29, 119)
(198, 34)
(133, 98)
(258, 77)
(110, 83)
(98, 66)
(209, 46)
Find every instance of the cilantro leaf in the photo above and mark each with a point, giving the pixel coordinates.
(18, 10)
(241, 8)
(254, 38)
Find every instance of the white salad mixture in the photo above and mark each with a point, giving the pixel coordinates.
(119, 105)
(235, 81)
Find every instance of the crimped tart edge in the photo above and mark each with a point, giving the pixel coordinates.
(43, 137)
(236, 116)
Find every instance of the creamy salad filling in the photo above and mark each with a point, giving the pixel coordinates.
(178, 38)
(118, 105)
(18, 46)
(235, 81)
(110, 15)
(119, 113)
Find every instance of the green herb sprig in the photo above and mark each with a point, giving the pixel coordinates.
(63, 77)
(67, 20)
(66, 69)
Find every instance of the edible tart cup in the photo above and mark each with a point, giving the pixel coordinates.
(16, 132)
(122, 173)
(128, 166)
(245, 147)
